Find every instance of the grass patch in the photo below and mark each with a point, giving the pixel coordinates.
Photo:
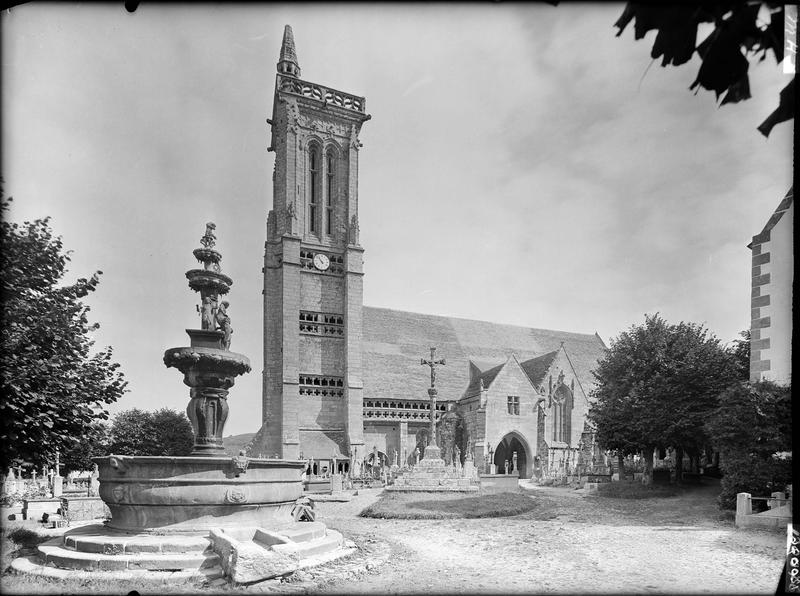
(448, 506)
(635, 490)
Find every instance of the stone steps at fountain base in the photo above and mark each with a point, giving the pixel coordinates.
(32, 565)
(97, 539)
(53, 553)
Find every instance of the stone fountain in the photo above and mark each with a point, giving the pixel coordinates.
(207, 514)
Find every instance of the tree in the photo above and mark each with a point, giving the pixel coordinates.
(138, 432)
(53, 387)
(94, 444)
(173, 432)
(738, 34)
(740, 351)
(655, 386)
(132, 433)
(752, 428)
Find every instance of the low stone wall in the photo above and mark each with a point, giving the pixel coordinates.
(779, 514)
(598, 478)
(499, 482)
(321, 485)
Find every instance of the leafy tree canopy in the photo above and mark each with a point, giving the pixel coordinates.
(740, 350)
(53, 386)
(163, 432)
(94, 444)
(656, 385)
(738, 33)
(753, 419)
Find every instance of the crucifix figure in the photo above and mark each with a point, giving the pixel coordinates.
(433, 363)
(57, 465)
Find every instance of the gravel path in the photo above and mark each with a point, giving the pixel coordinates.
(573, 543)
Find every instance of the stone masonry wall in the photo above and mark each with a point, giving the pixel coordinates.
(771, 297)
(322, 355)
(321, 293)
(321, 412)
(511, 380)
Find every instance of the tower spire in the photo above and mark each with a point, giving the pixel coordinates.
(287, 62)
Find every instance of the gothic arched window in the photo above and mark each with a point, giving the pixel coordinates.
(330, 191)
(313, 187)
(558, 414)
(562, 414)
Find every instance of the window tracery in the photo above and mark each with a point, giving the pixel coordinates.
(321, 323)
(321, 385)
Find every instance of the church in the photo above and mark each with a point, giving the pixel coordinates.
(342, 380)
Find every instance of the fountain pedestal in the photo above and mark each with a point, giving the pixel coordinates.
(210, 372)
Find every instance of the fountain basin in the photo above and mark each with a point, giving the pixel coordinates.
(206, 360)
(195, 493)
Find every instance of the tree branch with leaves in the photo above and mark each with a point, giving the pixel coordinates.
(739, 33)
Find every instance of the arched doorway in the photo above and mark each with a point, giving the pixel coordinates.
(505, 451)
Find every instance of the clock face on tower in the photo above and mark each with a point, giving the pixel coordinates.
(321, 262)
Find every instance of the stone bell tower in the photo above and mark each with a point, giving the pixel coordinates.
(313, 271)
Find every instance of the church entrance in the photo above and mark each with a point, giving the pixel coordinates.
(511, 443)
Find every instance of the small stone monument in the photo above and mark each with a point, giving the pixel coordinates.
(58, 481)
(432, 473)
(10, 484)
(94, 482)
(514, 461)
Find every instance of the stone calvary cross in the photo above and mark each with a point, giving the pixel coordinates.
(433, 363)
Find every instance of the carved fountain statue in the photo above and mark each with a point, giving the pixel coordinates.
(208, 365)
(207, 514)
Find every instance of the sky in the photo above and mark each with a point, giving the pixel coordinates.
(522, 166)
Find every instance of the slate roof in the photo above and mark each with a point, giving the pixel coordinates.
(487, 377)
(536, 368)
(394, 341)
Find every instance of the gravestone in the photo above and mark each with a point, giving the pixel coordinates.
(94, 482)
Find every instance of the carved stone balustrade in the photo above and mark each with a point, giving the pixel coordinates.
(321, 93)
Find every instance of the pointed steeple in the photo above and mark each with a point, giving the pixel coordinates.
(287, 62)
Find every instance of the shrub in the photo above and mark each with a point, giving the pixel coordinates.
(755, 475)
(26, 538)
(753, 423)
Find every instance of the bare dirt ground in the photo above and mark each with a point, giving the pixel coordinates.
(573, 543)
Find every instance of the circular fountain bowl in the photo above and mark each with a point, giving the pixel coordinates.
(188, 494)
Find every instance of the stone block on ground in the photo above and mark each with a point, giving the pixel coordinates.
(251, 562)
(36, 508)
(84, 508)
